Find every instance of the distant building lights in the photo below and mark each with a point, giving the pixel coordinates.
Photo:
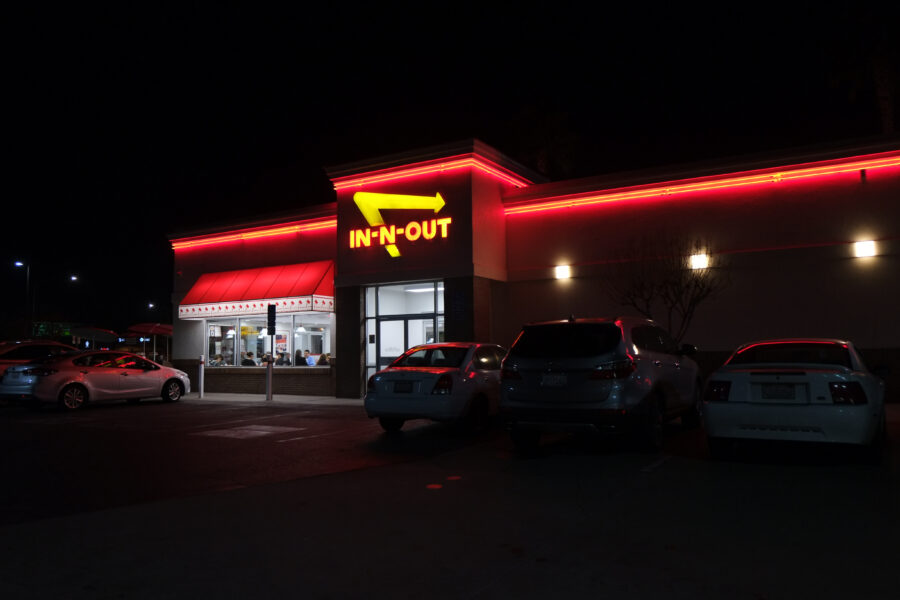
(563, 272)
(699, 261)
(151, 305)
(73, 278)
(19, 263)
(865, 248)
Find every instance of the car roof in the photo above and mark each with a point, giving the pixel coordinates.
(630, 320)
(452, 344)
(807, 340)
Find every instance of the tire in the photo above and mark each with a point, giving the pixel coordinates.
(478, 416)
(692, 418)
(526, 441)
(653, 428)
(172, 391)
(719, 448)
(391, 424)
(874, 453)
(72, 397)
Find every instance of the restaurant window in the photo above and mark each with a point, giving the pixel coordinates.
(229, 341)
(220, 342)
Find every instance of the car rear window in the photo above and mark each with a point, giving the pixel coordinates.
(444, 356)
(819, 353)
(567, 340)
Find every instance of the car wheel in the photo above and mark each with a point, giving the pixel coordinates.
(172, 391)
(691, 419)
(73, 397)
(391, 424)
(526, 441)
(874, 453)
(719, 448)
(654, 425)
(478, 417)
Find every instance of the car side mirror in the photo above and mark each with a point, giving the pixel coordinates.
(688, 349)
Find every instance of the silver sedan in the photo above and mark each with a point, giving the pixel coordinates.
(74, 380)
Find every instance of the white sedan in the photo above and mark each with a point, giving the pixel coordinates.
(450, 382)
(807, 390)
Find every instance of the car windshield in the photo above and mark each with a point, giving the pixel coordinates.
(442, 356)
(820, 353)
(570, 340)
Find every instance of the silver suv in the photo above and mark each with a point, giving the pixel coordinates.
(597, 375)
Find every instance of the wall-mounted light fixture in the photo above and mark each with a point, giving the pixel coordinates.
(699, 261)
(864, 248)
(563, 272)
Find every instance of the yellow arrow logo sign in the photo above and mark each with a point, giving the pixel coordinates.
(371, 204)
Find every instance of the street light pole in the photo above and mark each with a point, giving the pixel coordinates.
(26, 315)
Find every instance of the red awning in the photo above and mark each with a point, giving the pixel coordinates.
(292, 288)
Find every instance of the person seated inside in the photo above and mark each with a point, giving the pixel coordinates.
(283, 359)
(323, 360)
(309, 359)
(248, 360)
(218, 361)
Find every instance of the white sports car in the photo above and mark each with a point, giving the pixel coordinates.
(452, 382)
(814, 390)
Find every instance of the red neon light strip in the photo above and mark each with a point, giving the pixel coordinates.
(434, 167)
(786, 174)
(249, 234)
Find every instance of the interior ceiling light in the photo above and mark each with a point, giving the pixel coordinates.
(563, 271)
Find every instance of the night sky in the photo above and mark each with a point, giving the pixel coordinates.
(125, 127)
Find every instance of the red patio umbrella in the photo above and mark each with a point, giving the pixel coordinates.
(151, 329)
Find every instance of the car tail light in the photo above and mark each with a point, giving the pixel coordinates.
(507, 374)
(847, 392)
(717, 391)
(39, 371)
(444, 385)
(370, 384)
(616, 370)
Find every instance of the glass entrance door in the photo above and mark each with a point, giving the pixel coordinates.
(399, 316)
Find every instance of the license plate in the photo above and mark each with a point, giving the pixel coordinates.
(403, 387)
(553, 379)
(778, 391)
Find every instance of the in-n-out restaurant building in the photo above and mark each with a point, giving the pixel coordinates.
(459, 242)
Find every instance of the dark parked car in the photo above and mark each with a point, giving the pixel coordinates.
(597, 375)
(17, 381)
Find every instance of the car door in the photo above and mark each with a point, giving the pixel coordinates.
(99, 374)
(138, 378)
(679, 369)
(486, 367)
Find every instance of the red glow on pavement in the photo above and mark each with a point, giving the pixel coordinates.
(431, 168)
(765, 177)
(454, 478)
(254, 233)
(434, 486)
